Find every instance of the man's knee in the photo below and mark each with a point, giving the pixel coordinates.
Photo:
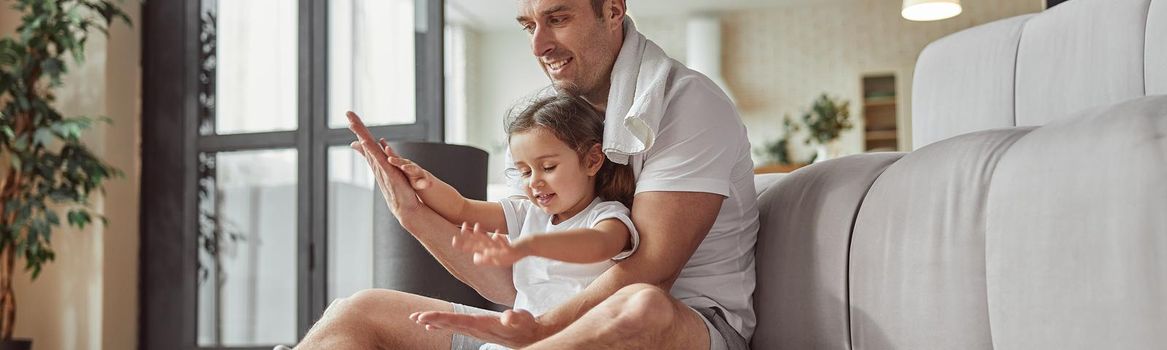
(643, 307)
(361, 303)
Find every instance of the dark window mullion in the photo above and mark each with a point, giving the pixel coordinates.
(313, 171)
(247, 142)
(407, 132)
(429, 19)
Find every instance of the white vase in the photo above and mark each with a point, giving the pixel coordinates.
(821, 153)
(826, 152)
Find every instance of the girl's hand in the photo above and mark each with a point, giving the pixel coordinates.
(419, 178)
(490, 248)
(394, 185)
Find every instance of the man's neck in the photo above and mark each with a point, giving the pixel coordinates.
(601, 105)
(599, 98)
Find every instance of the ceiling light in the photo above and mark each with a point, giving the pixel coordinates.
(930, 10)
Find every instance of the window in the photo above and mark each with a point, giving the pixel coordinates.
(253, 204)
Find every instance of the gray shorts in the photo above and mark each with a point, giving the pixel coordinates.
(722, 336)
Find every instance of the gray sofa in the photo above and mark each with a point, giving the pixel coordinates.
(1032, 213)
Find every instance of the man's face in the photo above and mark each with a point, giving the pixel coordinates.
(574, 47)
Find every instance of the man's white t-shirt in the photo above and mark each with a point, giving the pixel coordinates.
(541, 283)
(701, 146)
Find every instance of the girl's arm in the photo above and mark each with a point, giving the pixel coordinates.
(584, 245)
(447, 202)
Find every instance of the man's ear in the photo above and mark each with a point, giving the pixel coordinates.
(595, 159)
(614, 11)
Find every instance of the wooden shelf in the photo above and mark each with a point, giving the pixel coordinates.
(877, 135)
(879, 112)
(879, 101)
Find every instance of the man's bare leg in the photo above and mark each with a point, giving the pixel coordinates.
(639, 316)
(377, 319)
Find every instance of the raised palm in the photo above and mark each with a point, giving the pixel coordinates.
(489, 248)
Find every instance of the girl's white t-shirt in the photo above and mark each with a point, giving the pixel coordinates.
(542, 283)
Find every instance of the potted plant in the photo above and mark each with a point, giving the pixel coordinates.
(45, 170)
(826, 119)
(776, 154)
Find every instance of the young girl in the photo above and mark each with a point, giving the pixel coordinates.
(573, 223)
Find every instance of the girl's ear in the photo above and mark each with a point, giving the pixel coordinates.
(594, 160)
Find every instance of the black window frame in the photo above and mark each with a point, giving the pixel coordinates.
(171, 143)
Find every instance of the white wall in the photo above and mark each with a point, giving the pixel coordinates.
(88, 297)
(779, 60)
(502, 72)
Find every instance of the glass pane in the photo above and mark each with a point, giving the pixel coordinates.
(247, 248)
(371, 61)
(255, 64)
(350, 222)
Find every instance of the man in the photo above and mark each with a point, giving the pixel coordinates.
(687, 287)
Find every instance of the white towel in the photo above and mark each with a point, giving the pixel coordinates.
(636, 99)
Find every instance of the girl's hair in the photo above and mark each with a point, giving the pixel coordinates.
(574, 121)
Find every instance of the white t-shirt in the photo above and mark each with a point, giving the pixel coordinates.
(541, 283)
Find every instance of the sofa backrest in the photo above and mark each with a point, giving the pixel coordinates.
(1029, 70)
(1017, 223)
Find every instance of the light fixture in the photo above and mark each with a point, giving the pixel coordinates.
(930, 10)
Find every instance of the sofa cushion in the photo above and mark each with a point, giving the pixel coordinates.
(982, 60)
(917, 254)
(1076, 245)
(806, 220)
(1078, 55)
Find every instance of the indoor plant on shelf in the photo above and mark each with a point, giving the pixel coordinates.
(776, 154)
(825, 121)
(45, 170)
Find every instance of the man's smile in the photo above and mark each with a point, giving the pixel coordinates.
(555, 67)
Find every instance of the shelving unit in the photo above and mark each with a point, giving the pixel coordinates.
(879, 113)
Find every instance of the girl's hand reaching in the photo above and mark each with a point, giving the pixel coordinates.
(418, 177)
(490, 248)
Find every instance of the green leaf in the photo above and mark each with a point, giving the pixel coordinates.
(22, 102)
(52, 218)
(52, 66)
(43, 137)
(9, 53)
(79, 218)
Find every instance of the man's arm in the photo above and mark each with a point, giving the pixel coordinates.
(671, 226)
(434, 232)
(447, 202)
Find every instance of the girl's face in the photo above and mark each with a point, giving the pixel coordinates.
(552, 174)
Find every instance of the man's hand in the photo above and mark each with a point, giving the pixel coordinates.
(514, 328)
(490, 248)
(393, 184)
